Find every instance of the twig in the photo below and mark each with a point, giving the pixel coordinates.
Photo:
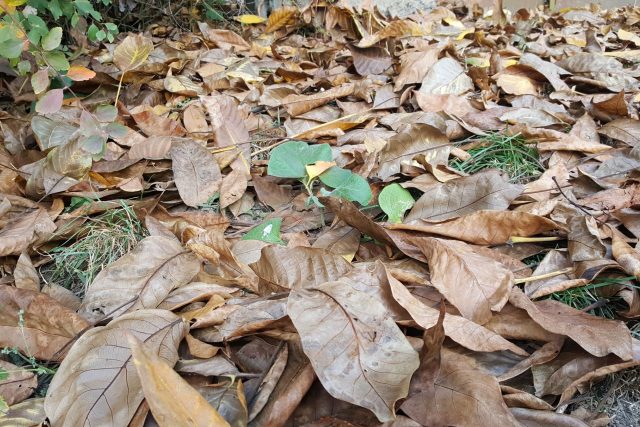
(543, 276)
(577, 205)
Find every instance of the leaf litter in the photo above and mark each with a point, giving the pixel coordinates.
(328, 217)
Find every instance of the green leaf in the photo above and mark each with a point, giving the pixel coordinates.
(74, 20)
(268, 231)
(4, 408)
(53, 39)
(24, 67)
(92, 31)
(101, 35)
(116, 130)
(106, 113)
(347, 185)
(55, 9)
(11, 48)
(289, 159)
(3, 374)
(395, 200)
(57, 60)
(113, 28)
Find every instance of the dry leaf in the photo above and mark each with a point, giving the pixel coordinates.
(140, 279)
(280, 18)
(360, 355)
(627, 257)
(25, 274)
(446, 77)
(97, 382)
(370, 60)
(173, 402)
(26, 230)
(195, 171)
(18, 385)
(36, 324)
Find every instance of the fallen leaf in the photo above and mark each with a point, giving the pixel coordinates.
(78, 73)
(446, 77)
(370, 60)
(140, 279)
(37, 324)
(25, 275)
(132, 52)
(369, 362)
(596, 335)
(18, 384)
(584, 242)
(97, 382)
(25, 414)
(172, 400)
(484, 227)
(51, 102)
(625, 130)
(482, 191)
(195, 171)
(627, 257)
(280, 18)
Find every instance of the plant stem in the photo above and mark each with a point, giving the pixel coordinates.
(543, 276)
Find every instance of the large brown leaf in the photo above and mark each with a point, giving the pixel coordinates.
(625, 130)
(484, 227)
(359, 354)
(474, 284)
(172, 400)
(416, 139)
(36, 324)
(596, 335)
(141, 278)
(97, 383)
(484, 190)
(25, 230)
(446, 77)
(370, 60)
(627, 257)
(584, 242)
(461, 330)
(281, 268)
(460, 395)
(195, 171)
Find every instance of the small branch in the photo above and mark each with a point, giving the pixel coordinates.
(543, 276)
(577, 205)
(518, 239)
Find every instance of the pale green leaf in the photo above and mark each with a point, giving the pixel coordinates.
(289, 159)
(347, 185)
(53, 39)
(268, 231)
(395, 201)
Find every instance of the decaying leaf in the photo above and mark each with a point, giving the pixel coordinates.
(172, 400)
(196, 172)
(97, 382)
(360, 355)
(140, 279)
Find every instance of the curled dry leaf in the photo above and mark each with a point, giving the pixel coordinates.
(25, 414)
(195, 171)
(627, 257)
(360, 355)
(140, 279)
(280, 18)
(172, 400)
(25, 231)
(97, 383)
(484, 227)
(281, 268)
(446, 77)
(417, 139)
(596, 335)
(370, 60)
(483, 191)
(36, 324)
(461, 330)
(18, 384)
(25, 275)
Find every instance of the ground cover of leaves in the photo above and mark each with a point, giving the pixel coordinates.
(327, 218)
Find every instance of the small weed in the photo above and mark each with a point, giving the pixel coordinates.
(96, 244)
(588, 296)
(508, 153)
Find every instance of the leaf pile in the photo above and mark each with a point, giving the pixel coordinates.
(316, 255)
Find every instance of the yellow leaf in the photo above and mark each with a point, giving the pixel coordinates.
(629, 36)
(280, 18)
(477, 62)
(317, 168)
(172, 400)
(132, 52)
(250, 19)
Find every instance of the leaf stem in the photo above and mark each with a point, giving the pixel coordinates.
(543, 276)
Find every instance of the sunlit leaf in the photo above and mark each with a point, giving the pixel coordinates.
(395, 201)
(132, 52)
(78, 73)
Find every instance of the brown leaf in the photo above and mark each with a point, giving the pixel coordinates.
(270, 193)
(584, 242)
(625, 130)
(340, 239)
(474, 284)
(132, 52)
(550, 71)
(360, 355)
(416, 139)
(482, 191)
(36, 324)
(224, 39)
(534, 417)
(25, 274)
(24, 231)
(26, 414)
(140, 279)
(152, 148)
(172, 400)
(461, 394)
(415, 65)
(484, 227)
(596, 335)
(627, 257)
(370, 60)
(280, 18)
(300, 104)
(195, 121)
(97, 383)
(228, 125)
(195, 171)
(463, 331)
(18, 385)
(446, 77)
(281, 268)
(398, 29)
(228, 400)
(233, 186)
(269, 382)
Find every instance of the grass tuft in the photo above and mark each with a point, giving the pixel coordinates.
(97, 243)
(508, 153)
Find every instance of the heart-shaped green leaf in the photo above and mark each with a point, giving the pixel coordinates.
(395, 201)
(289, 159)
(347, 185)
(268, 231)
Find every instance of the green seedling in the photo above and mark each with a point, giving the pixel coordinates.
(394, 200)
(312, 163)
